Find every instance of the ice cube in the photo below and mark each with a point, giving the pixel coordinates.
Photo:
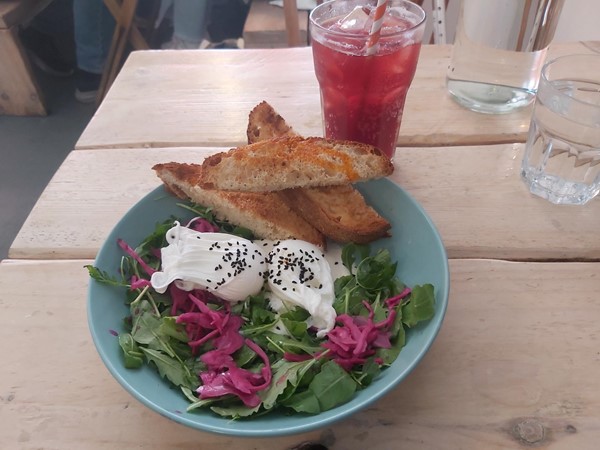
(357, 20)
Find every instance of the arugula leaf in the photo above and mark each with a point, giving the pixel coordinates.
(145, 327)
(171, 368)
(352, 253)
(296, 314)
(281, 344)
(296, 329)
(131, 352)
(304, 402)
(389, 355)
(104, 277)
(169, 327)
(155, 240)
(200, 404)
(235, 412)
(225, 227)
(260, 319)
(244, 356)
(285, 374)
(420, 307)
(294, 321)
(374, 272)
(370, 370)
(330, 387)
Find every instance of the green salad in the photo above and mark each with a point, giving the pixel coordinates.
(245, 359)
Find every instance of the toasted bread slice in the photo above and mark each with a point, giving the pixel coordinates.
(339, 212)
(267, 215)
(292, 161)
(265, 123)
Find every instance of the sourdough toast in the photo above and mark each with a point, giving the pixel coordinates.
(339, 212)
(267, 215)
(265, 123)
(292, 161)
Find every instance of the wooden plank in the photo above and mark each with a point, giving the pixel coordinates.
(15, 12)
(19, 91)
(197, 98)
(514, 366)
(473, 194)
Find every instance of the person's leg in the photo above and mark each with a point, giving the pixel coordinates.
(94, 27)
(189, 23)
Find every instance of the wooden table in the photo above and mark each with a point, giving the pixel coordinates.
(516, 364)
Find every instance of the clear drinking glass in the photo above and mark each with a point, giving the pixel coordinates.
(562, 154)
(498, 53)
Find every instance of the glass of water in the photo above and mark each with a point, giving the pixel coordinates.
(498, 52)
(562, 154)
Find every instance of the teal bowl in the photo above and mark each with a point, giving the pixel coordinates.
(414, 243)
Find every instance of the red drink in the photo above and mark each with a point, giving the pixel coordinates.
(362, 96)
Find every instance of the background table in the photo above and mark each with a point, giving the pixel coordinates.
(517, 360)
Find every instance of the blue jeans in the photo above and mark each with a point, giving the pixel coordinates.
(94, 27)
(190, 18)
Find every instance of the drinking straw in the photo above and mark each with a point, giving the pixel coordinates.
(375, 34)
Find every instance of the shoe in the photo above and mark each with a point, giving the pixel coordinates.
(44, 53)
(86, 86)
(227, 43)
(177, 43)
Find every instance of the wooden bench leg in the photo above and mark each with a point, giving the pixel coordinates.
(20, 93)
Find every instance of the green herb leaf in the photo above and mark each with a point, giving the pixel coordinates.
(332, 386)
(304, 402)
(285, 373)
(104, 277)
(170, 368)
(370, 370)
(235, 412)
(132, 355)
(354, 253)
(169, 327)
(145, 327)
(421, 305)
(375, 272)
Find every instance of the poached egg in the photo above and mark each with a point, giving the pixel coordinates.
(230, 267)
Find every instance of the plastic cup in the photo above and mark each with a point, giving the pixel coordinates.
(362, 96)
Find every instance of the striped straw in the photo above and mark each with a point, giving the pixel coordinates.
(375, 34)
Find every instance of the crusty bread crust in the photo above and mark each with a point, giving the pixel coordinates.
(267, 215)
(292, 161)
(339, 212)
(265, 123)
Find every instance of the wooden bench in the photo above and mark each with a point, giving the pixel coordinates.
(20, 93)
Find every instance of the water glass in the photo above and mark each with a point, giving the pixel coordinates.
(498, 53)
(562, 154)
